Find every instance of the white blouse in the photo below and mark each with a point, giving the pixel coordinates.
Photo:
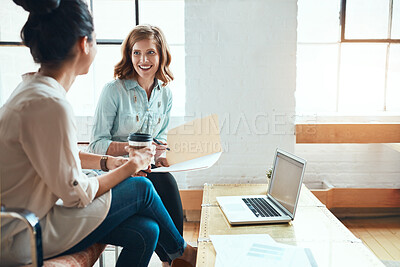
(39, 164)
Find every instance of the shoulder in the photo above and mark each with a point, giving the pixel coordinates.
(39, 99)
(50, 108)
(33, 96)
(165, 90)
(121, 85)
(113, 89)
(113, 85)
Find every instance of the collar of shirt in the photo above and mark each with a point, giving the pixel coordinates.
(132, 84)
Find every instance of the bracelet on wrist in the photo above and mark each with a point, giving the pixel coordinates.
(103, 163)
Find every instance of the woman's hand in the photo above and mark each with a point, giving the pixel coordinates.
(142, 173)
(160, 149)
(162, 162)
(115, 162)
(160, 156)
(141, 158)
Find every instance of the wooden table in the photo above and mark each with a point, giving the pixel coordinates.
(314, 226)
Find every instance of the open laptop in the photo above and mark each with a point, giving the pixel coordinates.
(279, 205)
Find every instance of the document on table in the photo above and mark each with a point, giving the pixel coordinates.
(195, 145)
(258, 250)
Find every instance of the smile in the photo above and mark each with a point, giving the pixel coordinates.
(145, 67)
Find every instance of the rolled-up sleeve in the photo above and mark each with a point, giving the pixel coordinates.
(53, 152)
(104, 118)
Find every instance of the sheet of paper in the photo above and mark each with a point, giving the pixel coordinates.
(191, 165)
(219, 241)
(257, 250)
(194, 139)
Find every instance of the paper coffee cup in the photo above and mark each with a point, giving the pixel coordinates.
(140, 140)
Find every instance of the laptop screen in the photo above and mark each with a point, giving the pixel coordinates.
(286, 181)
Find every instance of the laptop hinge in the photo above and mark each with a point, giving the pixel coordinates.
(280, 207)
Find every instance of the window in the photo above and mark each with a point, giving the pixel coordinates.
(348, 57)
(113, 20)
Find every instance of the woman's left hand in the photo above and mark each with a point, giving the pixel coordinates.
(115, 162)
(161, 162)
(160, 156)
(160, 150)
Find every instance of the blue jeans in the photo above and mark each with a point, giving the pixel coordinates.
(167, 189)
(137, 221)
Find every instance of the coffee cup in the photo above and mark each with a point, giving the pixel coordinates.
(140, 140)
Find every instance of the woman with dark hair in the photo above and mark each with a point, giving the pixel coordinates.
(40, 163)
(138, 100)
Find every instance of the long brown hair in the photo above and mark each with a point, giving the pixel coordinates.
(124, 69)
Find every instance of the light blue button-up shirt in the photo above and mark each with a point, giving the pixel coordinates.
(118, 114)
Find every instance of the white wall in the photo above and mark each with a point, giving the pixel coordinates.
(241, 65)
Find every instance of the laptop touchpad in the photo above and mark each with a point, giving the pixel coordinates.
(235, 207)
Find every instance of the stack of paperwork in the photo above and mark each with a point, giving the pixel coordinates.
(258, 250)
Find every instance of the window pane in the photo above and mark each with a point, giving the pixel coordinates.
(12, 19)
(86, 89)
(367, 19)
(113, 19)
(81, 95)
(103, 66)
(393, 84)
(318, 21)
(15, 61)
(168, 15)
(362, 77)
(396, 20)
(177, 86)
(316, 78)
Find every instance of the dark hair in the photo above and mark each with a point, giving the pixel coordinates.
(53, 28)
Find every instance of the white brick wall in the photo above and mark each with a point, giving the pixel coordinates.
(241, 65)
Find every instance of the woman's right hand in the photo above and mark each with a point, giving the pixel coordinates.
(139, 160)
(140, 157)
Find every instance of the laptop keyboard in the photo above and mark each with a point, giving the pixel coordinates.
(260, 207)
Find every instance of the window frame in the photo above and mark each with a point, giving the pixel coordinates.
(343, 39)
(337, 115)
(387, 41)
(98, 41)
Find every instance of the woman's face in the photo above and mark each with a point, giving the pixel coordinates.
(145, 59)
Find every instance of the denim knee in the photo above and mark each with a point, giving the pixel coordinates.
(142, 187)
(143, 184)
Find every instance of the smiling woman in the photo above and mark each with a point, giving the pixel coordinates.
(139, 101)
